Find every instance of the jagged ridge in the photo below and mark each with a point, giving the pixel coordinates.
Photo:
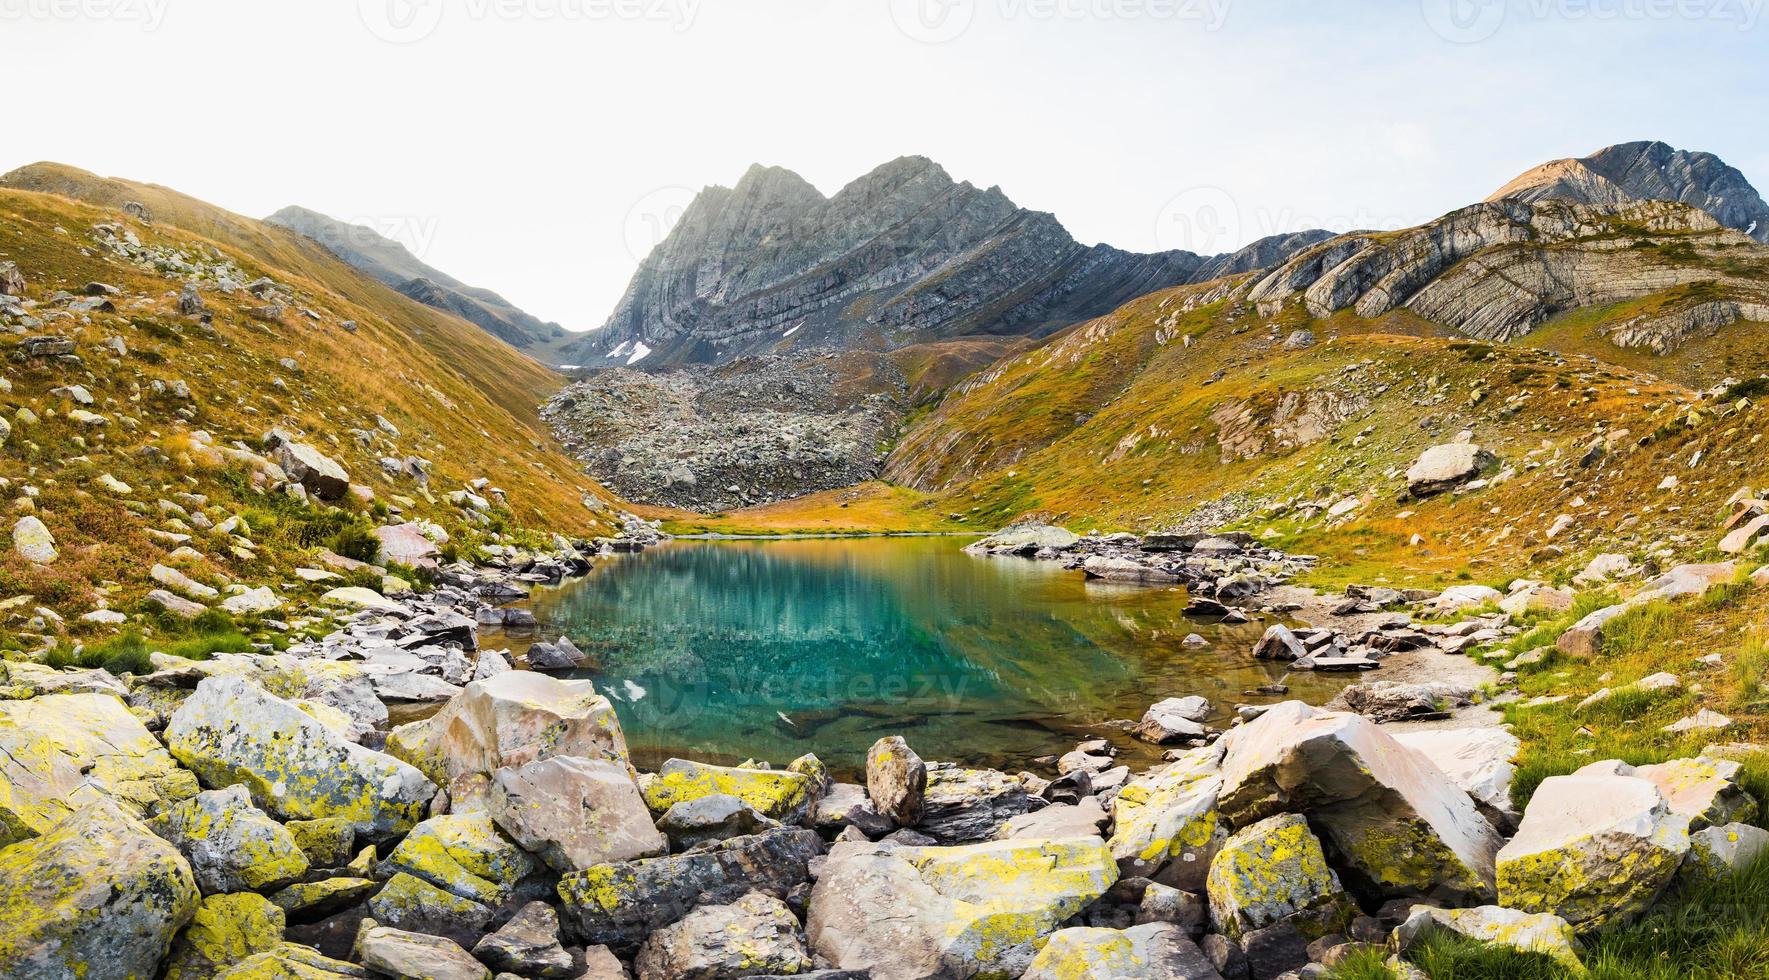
(901, 256)
(1648, 170)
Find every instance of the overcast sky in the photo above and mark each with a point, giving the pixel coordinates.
(537, 147)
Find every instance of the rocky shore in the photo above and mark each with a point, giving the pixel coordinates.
(267, 814)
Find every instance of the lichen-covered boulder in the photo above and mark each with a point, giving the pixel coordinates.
(465, 855)
(1165, 825)
(1402, 826)
(419, 744)
(412, 904)
(963, 806)
(518, 717)
(314, 899)
(1707, 791)
(624, 902)
(291, 961)
(232, 846)
(1267, 872)
(327, 842)
(1540, 932)
(980, 909)
(396, 953)
(755, 935)
(896, 780)
(1154, 951)
(717, 817)
(225, 930)
(1594, 849)
(96, 897)
(231, 731)
(528, 944)
(60, 752)
(780, 794)
(1717, 853)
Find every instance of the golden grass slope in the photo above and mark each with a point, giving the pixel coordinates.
(1187, 398)
(458, 398)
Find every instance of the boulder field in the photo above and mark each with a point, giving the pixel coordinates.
(271, 815)
(248, 838)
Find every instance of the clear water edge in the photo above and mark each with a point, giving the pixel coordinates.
(730, 649)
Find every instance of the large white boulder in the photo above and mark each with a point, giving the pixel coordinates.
(1445, 467)
(1401, 825)
(518, 717)
(231, 731)
(575, 813)
(1594, 848)
(979, 909)
(1478, 759)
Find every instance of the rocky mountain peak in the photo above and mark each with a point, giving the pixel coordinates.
(901, 255)
(1648, 170)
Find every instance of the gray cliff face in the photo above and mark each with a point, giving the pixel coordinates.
(1498, 270)
(901, 256)
(388, 261)
(1648, 171)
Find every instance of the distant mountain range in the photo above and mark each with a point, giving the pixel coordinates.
(906, 255)
(901, 256)
(390, 262)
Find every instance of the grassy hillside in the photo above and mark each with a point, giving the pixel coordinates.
(1188, 402)
(407, 382)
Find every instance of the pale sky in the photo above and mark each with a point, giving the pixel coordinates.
(537, 147)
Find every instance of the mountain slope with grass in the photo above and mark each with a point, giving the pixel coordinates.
(392, 263)
(1272, 401)
(154, 372)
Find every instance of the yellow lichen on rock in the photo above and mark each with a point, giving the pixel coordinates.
(464, 855)
(61, 751)
(97, 897)
(225, 930)
(783, 795)
(1268, 871)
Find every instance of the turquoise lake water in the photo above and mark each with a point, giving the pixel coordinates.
(727, 650)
